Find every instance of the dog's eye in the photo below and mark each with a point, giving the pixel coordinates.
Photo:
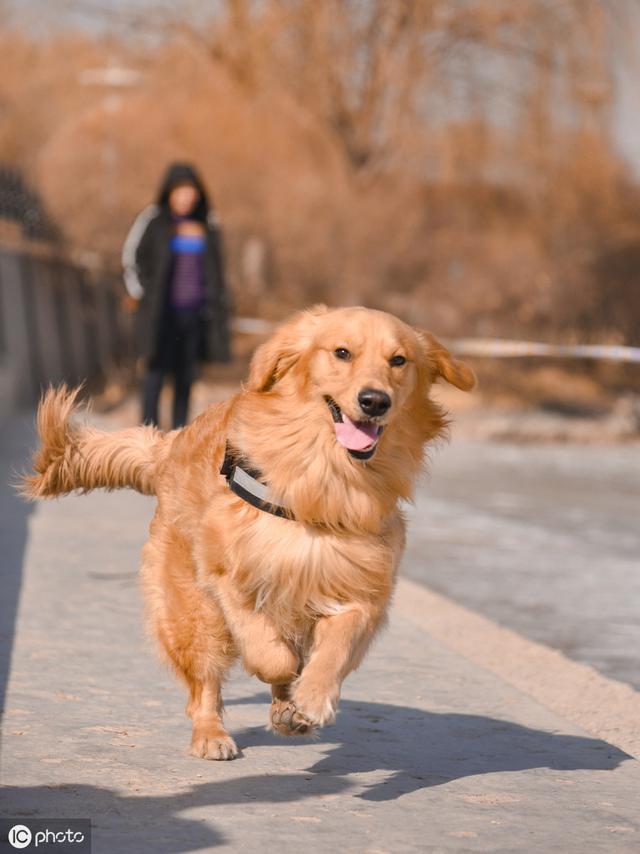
(342, 353)
(397, 361)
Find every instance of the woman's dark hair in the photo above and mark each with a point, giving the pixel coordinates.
(183, 173)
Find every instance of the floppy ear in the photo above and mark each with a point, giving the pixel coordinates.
(443, 364)
(276, 356)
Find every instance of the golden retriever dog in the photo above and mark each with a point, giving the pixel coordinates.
(277, 533)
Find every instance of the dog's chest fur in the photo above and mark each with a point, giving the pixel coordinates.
(295, 572)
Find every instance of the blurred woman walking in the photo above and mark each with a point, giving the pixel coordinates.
(173, 272)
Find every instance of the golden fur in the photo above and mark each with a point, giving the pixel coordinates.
(298, 600)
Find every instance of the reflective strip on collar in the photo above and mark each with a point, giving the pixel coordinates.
(260, 490)
(245, 484)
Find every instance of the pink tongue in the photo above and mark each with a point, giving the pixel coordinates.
(355, 435)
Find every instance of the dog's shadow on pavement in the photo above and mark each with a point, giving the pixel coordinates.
(418, 749)
(403, 749)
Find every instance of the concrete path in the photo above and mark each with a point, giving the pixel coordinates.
(544, 539)
(431, 751)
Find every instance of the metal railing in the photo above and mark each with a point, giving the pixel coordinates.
(58, 323)
(498, 348)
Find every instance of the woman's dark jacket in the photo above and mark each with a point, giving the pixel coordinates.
(147, 263)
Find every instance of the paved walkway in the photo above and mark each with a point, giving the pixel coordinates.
(431, 751)
(542, 538)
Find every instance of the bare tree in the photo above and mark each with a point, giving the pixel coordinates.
(447, 157)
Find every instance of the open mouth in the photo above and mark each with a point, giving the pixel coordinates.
(360, 438)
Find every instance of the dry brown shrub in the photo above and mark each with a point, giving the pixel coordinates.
(451, 162)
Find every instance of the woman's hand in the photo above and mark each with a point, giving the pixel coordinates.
(130, 304)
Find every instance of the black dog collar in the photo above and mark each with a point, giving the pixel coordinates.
(246, 482)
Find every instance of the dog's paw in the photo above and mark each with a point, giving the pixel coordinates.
(285, 719)
(315, 702)
(213, 745)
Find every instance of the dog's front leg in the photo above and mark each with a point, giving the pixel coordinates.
(340, 642)
(264, 653)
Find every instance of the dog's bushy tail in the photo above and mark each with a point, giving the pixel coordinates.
(79, 457)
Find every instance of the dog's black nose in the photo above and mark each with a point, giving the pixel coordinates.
(373, 401)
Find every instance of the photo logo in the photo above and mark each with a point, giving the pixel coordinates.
(19, 836)
(46, 834)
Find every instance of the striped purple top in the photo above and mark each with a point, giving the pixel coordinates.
(187, 280)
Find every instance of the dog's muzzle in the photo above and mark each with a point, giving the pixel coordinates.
(359, 438)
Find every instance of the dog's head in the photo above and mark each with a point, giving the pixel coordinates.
(366, 369)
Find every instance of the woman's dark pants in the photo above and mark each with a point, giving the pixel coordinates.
(176, 354)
